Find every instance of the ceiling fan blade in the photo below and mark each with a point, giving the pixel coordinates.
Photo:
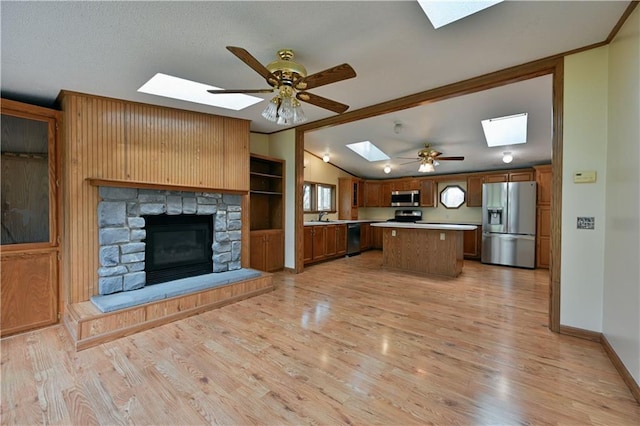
(450, 158)
(255, 65)
(328, 76)
(229, 91)
(322, 102)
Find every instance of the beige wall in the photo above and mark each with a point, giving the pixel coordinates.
(259, 143)
(600, 269)
(621, 313)
(584, 148)
(316, 170)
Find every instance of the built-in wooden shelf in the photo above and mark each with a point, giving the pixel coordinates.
(160, 186)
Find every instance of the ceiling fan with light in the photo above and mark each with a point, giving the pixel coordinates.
(429, 158)
(291, 82)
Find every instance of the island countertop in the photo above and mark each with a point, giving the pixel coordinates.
(424, 225)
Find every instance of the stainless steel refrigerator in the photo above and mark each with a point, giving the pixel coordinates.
(509, 223)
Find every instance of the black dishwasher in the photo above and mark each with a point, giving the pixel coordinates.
(353, 239)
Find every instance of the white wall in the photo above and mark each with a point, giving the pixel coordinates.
(282, 145)
(621, 325)
(584, 148)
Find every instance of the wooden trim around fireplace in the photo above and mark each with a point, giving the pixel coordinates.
(89, 327)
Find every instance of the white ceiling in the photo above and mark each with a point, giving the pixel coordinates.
(112, 48)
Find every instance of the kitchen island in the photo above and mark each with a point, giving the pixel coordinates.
(434, 249)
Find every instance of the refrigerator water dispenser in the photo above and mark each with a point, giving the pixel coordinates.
(495, 216)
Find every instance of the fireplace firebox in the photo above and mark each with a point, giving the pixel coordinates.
(177, 247)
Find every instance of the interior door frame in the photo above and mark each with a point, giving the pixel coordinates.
(553, 66)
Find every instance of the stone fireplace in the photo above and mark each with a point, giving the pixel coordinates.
(124, 215)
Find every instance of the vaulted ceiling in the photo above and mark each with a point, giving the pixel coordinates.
(112, 48)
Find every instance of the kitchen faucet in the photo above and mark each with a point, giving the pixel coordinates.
(320, 215)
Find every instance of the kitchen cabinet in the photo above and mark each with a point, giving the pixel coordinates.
(543, 236)
(543, 216)
(267, 249)
(428, 193)
(474, 190)
(350, 191)
(372, 194)
(323, 242)
(31, 208)
(266, 206)
(474, 183)
(385, 194)
(472, 243)
(376, 238)
(365, 236)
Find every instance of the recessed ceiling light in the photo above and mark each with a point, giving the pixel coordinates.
(368, 151)
(441, 12)
(509, 130)
(191, 91)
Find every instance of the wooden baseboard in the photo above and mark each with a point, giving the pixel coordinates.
(594, 336)
(626, 375)
(89, 327)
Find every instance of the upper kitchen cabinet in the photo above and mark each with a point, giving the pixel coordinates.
(428, 193)
(475, 181)
(30, 209)
(543, 178)
(474, 190)
(350, 193)
(372, 193)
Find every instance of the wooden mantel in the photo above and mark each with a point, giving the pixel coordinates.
(118, 183)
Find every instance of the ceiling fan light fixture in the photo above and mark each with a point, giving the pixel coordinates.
(271, 111)
(426, 166)
(507, 157)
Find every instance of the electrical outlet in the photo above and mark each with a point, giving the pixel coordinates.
(442, 236)
(393, 232)
(586, 223)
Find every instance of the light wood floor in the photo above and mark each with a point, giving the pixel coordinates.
(343, 343)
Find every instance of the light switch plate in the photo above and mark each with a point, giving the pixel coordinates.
(586, 223)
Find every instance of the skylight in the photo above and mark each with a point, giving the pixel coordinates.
(368, 151)
(508, 130)
(441, 12)
(191, 91)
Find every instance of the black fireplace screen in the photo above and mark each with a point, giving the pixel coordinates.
(178, 247)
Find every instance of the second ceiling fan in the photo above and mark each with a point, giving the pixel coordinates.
(429, 158)
(291, 82)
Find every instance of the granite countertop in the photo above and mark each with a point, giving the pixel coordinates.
(424, 225)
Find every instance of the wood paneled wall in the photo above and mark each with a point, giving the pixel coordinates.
(124, 141)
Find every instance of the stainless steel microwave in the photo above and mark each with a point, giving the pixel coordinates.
(405, 198)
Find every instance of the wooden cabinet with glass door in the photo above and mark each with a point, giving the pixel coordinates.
(266, 198)
(30, 208)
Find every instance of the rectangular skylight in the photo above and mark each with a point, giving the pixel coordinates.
(191, 91)
(508, 130)
(368, 151)
(443, 12)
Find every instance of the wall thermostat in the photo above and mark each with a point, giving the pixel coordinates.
(588, 176)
